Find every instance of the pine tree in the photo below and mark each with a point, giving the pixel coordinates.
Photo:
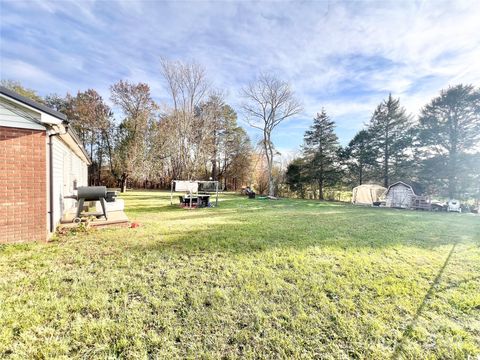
(321, 151)
(448, 136)
(359, 157)
(391, 139)
(295, 176)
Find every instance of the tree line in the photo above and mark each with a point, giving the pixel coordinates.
(439, 151)
(196, 135)
(141, 143)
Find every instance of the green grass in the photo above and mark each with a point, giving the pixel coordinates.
(249, 279)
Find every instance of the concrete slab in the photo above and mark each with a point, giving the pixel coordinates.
(115, 218)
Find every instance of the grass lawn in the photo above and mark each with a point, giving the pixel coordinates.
(249, 279)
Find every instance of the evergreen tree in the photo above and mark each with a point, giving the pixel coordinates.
(448, 139)
(321, 151)
(234, 149)
(391, 139)
(359, 157)
(295, 176)
(226, 146)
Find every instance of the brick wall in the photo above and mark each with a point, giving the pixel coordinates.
(23, 189)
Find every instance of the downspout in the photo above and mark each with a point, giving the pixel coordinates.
(50, 180)
(50, 173)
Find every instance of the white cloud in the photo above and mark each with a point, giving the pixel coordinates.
(345, 57)
(15, 69)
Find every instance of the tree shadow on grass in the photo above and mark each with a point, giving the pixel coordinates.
(241, 225)
(178, 213)
(152, 209)
(428, 296)
(243, 233)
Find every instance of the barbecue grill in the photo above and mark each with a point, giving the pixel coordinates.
(90, 193)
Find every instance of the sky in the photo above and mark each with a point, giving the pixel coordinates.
(345, 57)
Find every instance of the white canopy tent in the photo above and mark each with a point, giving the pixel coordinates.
(367, 194)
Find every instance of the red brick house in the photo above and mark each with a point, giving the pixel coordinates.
(41, 162)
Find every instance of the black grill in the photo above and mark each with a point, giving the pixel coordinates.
(90, 193)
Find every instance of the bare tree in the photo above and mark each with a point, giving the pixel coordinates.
(188, 87)
(268, 102)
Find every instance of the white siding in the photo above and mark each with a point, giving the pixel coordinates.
(12, 115)
(67, 169)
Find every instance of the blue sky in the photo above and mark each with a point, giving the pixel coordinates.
(344, 56)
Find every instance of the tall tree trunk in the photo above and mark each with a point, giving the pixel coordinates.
(110, 156)
(385, 168)
(452, 166)
(271, 184)
(99, 171)
(269, 155)
(123, 184)
(214, 156)
(320, 189)
(91, 149)
(452, 179)
(360, 173)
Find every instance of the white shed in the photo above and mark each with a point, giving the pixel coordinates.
(400, 195)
